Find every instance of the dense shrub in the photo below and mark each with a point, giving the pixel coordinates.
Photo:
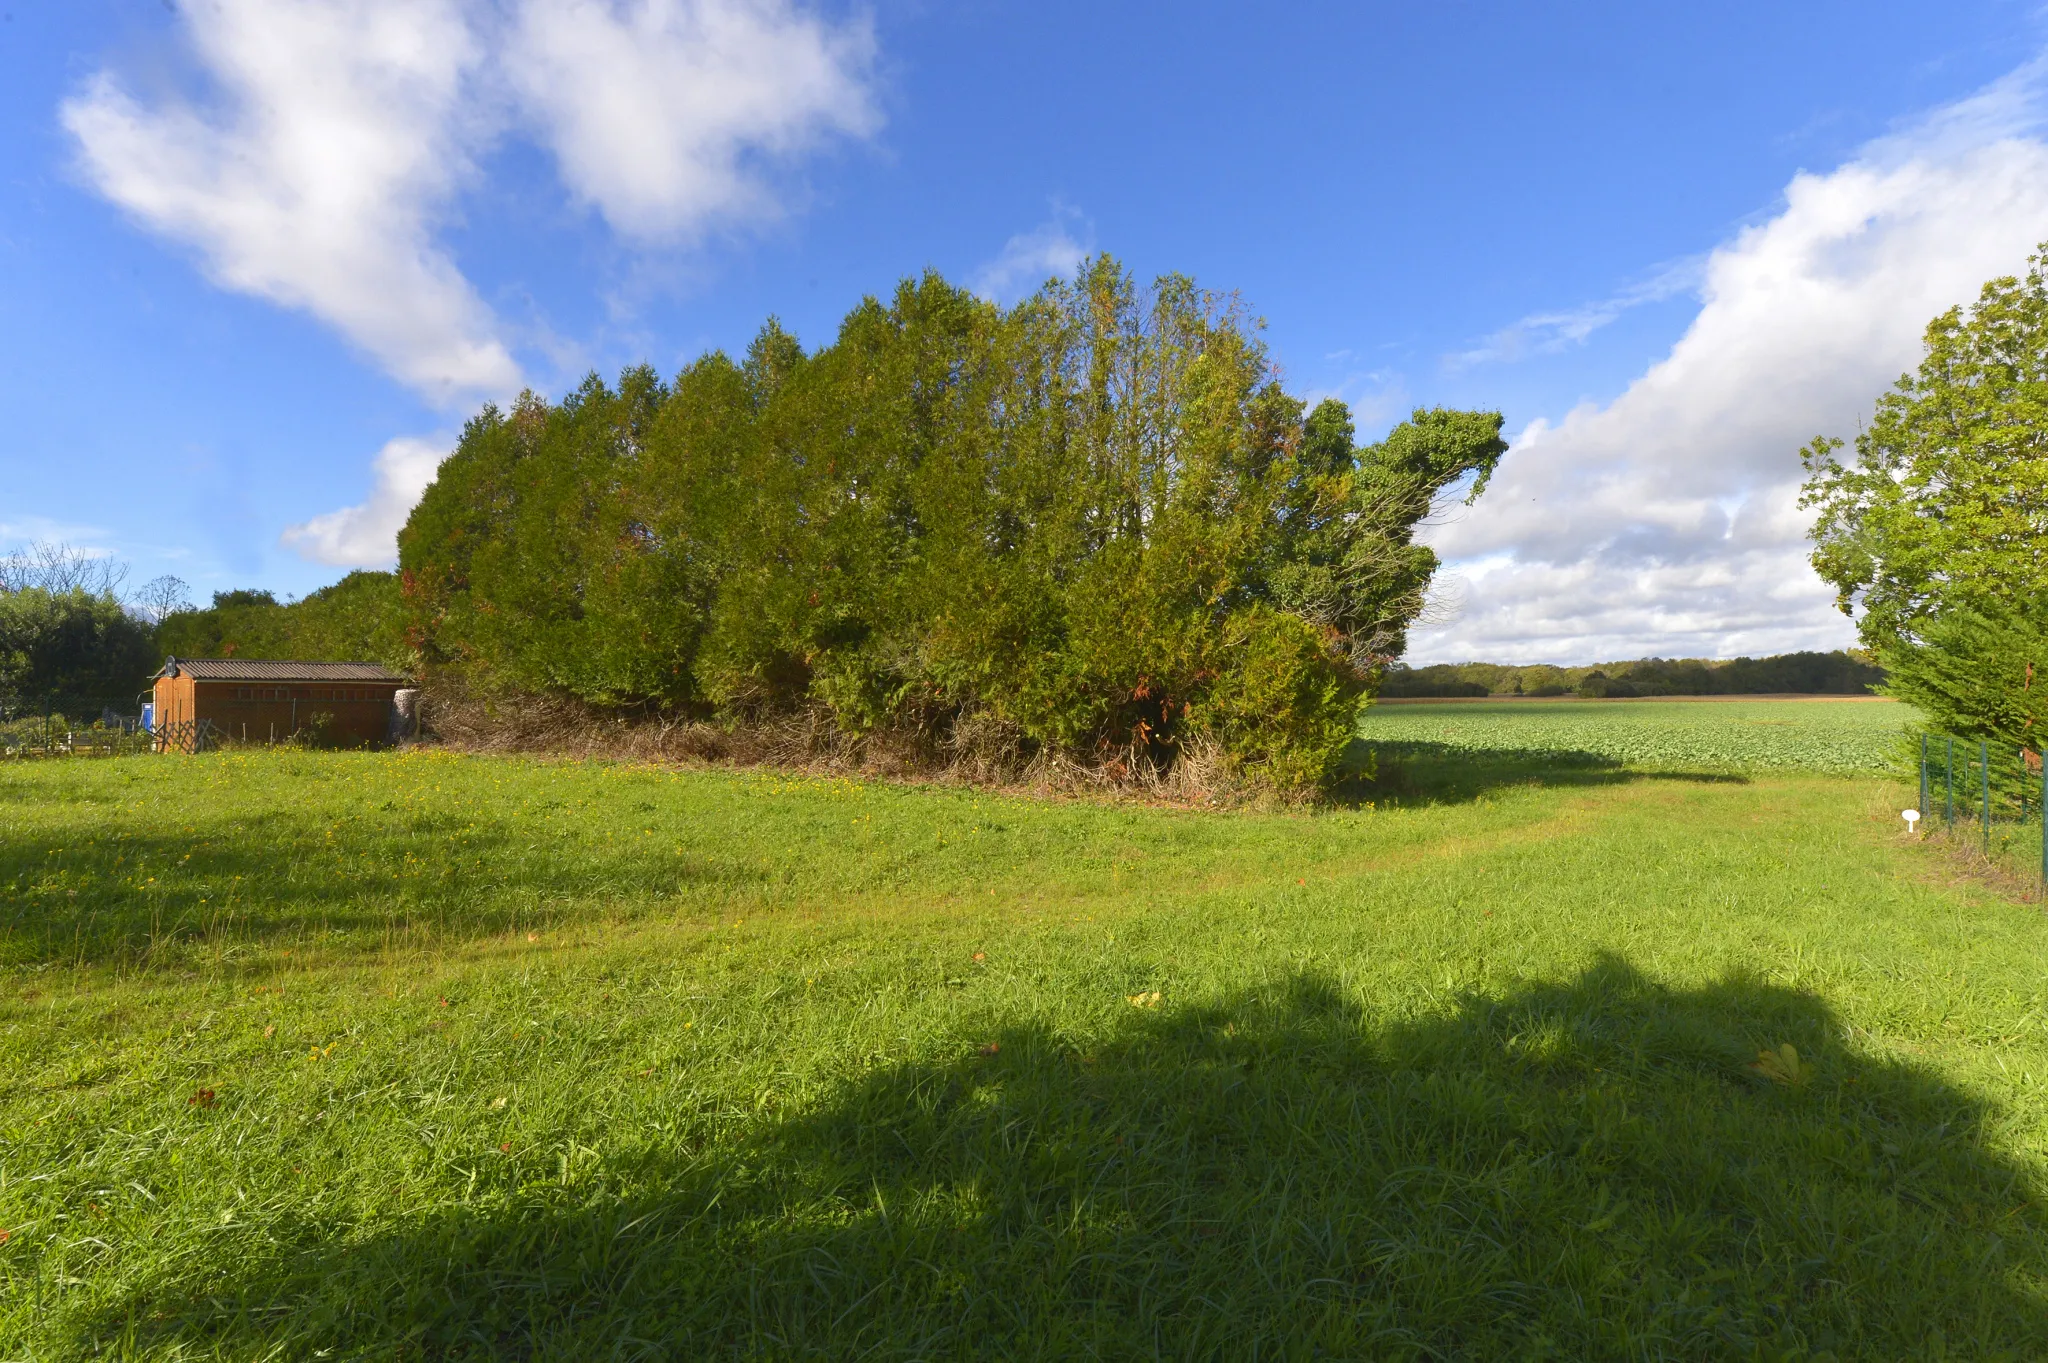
(1094, 522)
(72, 643)
(1978, 672)
(358, 619)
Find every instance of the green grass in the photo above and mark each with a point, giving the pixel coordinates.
(1736, 735)
(438, 1057)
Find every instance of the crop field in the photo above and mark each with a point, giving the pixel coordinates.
(1511, 1055)
(1710, 734)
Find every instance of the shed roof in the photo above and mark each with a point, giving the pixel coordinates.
(274, 670)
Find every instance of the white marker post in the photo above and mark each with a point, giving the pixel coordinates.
(1912, 818)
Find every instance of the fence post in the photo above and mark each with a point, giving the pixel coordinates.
(1948, 782)
(1984, 771)
(2044, 820)
(1923, 778)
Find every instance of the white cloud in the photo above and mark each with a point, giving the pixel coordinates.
(1547, 333)
(335, 138)
(339, 132)
(660, 110)
(1666, 521)
(1028, 259)
(366, 536)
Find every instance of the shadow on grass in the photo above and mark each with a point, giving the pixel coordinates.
(251, 880)
(1583, 1169)
(1416, 772)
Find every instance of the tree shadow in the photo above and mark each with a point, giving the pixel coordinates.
(255, 879)
(1403, 771)
(1589, 1168)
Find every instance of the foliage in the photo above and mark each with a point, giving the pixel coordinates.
(1094, 521)
(1738, 735)
(358, 619)
(424, 1057)
(1978, 671)
(1823, 674)
(71, 643)
(1942, 518)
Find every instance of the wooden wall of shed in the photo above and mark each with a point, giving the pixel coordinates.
(172, 700)
(269, 718)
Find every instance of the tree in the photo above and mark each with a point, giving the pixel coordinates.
(57, 568)
(1946, 503)
(1094, 523)
(1978, 672)
(358, 619)
(71, 644)
(1937, 532)
(161, 597)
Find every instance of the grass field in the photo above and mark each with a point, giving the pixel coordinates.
(1829, 735)
(427, 1056)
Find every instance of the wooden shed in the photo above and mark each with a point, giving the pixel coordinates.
(264, 701)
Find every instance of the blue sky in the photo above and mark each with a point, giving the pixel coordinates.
(259, 259)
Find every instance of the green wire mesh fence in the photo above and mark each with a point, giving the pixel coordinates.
(1989, 793)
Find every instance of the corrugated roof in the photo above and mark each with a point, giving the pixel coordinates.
(275, 670)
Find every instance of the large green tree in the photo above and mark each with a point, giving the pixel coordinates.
(70, 645)
(1935, 536)
(1094, 521)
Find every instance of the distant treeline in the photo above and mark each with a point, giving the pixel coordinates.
(1819, 674)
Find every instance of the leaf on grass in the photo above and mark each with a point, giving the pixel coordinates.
(1783, 1065)
(1150, 1000)
(203, 1098)
(990, 1049)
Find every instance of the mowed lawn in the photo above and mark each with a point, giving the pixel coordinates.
(426, 1056)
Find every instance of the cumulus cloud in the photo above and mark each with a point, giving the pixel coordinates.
(366, 536)
(336, 136)
(1666, 522)
(660, 111)
(314, 175)
(331, 141)
(1030, 258)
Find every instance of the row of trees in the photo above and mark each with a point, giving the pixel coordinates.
(65, 628)
(1935, 536)
(69, 633)
(1093, 524)
(1837, 674)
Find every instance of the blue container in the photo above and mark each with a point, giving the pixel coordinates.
(149, 717)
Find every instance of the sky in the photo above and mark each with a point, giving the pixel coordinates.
(260, 259)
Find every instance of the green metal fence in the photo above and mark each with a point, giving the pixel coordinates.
(1989, 794)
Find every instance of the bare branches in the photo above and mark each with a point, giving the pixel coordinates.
(161, 597)
(58, 568)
